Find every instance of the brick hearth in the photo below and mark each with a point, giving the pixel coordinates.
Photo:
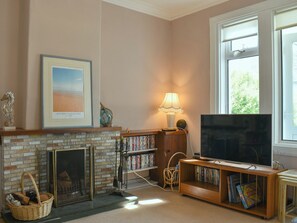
(27, 151)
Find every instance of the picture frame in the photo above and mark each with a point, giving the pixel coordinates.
(66, 87)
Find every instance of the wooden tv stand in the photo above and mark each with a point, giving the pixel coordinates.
(218, 194)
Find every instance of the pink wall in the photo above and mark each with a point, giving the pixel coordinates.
(135, 65)
(191, 63)
(142, 57)
(21, 100)
(65, 28)
(136, 62)
(9, 44)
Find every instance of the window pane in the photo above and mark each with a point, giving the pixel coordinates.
(240, 29)
(289, 80)
(244, 85)
(245, 43)
(294, 47)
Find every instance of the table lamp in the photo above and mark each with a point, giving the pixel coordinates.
(170, 106)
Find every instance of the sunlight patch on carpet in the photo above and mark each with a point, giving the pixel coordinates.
(151, 201)
(131, 206)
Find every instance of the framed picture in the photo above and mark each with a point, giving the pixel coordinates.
(66, 92)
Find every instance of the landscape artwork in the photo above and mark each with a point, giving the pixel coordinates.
(68, 93)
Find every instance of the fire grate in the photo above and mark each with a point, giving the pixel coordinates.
(70, 175)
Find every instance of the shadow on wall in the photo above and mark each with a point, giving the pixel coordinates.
(156, 115)
(193, 136)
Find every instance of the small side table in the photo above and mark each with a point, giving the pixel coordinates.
(286, 178)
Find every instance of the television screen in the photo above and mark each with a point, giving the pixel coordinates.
(237, 138)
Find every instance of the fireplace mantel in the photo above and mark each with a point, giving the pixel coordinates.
(57, 131)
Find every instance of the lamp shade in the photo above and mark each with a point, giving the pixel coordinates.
(171, 104)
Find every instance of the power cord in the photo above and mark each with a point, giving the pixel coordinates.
(154, 185)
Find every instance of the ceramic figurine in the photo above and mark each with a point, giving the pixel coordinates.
(8, 109)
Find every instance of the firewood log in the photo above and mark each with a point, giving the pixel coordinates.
(21, 197)
(64, 184)
(44, 197)
(64, 176)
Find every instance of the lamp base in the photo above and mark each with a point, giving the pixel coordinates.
(170, 120)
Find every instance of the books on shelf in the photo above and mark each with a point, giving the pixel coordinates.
(137, 143)
(250, 194)
(140, 161)
(207, 175)
(136, 161)
(234, 181)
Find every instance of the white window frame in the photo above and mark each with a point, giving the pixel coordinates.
(227, 55)
(288, 63)
(269, 71)
(281, 147)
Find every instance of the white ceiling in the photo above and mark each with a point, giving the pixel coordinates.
(166, 9)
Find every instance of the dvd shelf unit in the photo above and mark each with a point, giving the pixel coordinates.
(141, 149)
(212, 181)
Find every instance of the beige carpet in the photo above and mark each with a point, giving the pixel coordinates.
(157, 206)
(171, 207)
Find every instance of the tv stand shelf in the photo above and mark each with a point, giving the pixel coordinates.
(217, 193)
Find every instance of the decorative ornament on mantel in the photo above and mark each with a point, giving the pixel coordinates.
(105, 116)
(7, 109)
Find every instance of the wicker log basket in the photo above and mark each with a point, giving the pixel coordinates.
(171, 174)
(32, 211)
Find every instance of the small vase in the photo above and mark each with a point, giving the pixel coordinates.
(106, 116)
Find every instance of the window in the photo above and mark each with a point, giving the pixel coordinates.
(286, 23)
(240, 67)
(265, 60)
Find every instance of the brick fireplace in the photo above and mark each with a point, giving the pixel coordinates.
(27, 150)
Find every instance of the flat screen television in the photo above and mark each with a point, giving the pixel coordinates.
(237, 138)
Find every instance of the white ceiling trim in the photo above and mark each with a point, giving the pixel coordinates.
(194, 9)
(141, 7)
(159, 12)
